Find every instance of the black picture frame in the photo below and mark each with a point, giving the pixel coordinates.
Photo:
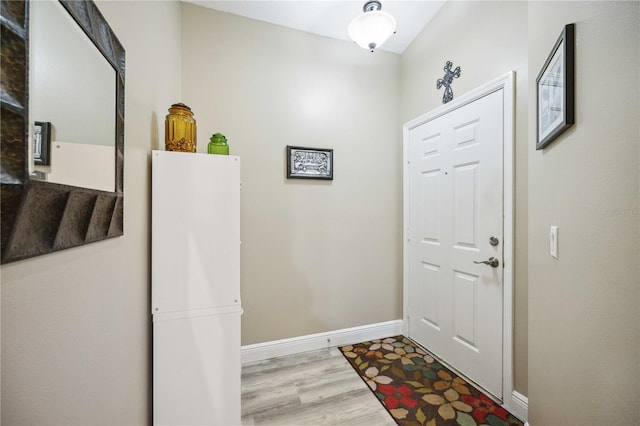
(309, 163)
(41, 143)
(555, 90)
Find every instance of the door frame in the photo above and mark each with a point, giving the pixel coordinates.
(506, 83)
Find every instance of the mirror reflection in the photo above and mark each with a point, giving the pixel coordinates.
(72, 104)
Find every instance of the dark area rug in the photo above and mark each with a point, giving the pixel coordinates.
(417, 390)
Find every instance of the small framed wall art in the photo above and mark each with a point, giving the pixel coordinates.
(309, 163)
(41, 143)
(555, 90)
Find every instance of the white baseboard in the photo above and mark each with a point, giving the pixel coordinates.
(310, 342)
(519, 406)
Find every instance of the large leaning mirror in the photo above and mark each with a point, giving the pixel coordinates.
(72, 102)
(62, 127)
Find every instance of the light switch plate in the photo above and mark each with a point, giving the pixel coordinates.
(553, 241)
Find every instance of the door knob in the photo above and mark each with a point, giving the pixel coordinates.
(493, 262)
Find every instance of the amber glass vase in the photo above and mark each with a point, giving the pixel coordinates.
(180, 129)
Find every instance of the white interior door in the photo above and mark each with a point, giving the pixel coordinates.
(455, 202)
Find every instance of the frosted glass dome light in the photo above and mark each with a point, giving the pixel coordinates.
(371, 29)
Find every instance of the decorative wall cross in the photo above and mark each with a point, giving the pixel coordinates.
(446, 81)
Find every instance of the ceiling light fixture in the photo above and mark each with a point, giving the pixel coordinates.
(371, 29)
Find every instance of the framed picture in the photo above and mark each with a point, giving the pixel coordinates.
(555, 89)
(309, 163)
(41, 143)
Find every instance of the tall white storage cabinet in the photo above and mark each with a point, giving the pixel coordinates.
(195, 295)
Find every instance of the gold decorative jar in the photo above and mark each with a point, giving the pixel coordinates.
(180, 129)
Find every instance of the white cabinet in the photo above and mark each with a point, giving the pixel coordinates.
(195, 297)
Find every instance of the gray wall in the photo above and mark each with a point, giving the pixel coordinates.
(583, 307)
(75, 324)
(487, 40)
(316, 256)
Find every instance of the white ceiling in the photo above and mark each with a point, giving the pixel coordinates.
(331, 18)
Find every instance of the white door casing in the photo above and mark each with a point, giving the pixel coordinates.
(458, 191)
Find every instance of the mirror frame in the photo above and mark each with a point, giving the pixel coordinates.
(42, 217)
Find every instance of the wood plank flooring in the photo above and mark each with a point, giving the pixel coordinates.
(314, 388)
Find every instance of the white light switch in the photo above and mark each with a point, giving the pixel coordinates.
(553, 241)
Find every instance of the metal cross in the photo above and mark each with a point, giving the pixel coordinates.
(446, 81)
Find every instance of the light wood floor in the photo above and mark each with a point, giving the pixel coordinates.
(314, 388)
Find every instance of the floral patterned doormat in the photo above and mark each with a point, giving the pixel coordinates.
(417, 390)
